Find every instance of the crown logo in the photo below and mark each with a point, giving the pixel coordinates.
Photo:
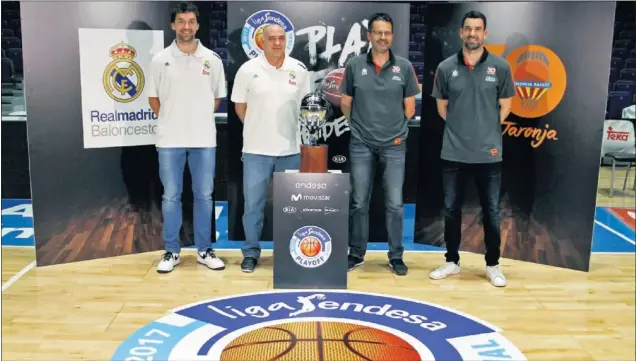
(123, 51)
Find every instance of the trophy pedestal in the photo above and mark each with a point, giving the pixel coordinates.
(310, 208)
(313, 159)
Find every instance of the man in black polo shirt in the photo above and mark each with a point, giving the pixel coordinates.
(474, 91)
(378, 99)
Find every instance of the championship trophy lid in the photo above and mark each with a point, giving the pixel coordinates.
(314, 111)
(315, 99)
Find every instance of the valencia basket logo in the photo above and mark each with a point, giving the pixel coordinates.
(316, 326)
(540, 80)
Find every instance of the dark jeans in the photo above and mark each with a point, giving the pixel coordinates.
(363, 160)
(488, 181)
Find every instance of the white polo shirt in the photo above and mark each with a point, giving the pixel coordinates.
(273, 98)
(187, 86)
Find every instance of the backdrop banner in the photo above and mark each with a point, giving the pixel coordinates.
(105, 201)
(552, 139)
(114, 64)
(323, 35)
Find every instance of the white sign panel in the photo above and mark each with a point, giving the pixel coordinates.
(114, 64)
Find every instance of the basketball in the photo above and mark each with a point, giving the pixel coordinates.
(331, 86)
(319, 341)
(310, 247)
(258, 38)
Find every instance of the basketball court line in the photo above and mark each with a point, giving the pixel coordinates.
(17, 276)
(620, 235)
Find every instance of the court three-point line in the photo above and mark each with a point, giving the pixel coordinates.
(13, 279)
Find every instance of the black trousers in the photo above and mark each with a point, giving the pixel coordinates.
(488, 181)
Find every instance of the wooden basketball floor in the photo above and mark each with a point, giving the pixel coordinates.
(84, 310)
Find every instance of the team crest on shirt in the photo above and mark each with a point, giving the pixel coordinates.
(491, 70)
(292, 77)
(396, 69)
(206, 67)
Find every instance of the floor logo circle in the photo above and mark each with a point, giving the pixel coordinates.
(316, 326)
(310, 246)
(252, 33)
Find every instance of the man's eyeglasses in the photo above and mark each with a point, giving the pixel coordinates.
(380, 33)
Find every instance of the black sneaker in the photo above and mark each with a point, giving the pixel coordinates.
(398, 266)
(248, 264)
(354, 262)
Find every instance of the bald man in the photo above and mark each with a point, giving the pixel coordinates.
(266, 94)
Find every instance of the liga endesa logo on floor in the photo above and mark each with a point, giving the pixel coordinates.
(115, 64)
(316, 326)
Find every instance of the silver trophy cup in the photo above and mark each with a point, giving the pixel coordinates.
(314, 110)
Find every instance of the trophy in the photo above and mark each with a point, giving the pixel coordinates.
(314, 109)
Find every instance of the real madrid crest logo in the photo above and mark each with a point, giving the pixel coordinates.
(123, 78)
(310, 246)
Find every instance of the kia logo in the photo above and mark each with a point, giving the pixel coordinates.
(339, 158)
(289, 209)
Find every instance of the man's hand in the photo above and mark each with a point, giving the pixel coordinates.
(505, 107)
(409, 107)
(155, 104)
(442, 107)
(241, 109)
(345, 105)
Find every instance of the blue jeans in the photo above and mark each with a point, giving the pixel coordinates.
(202, 162)
(488, 181)
(257, 175)
(391, 160)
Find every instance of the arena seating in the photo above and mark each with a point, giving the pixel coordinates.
(11, 41)
(622, 81)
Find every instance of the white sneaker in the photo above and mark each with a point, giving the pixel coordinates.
(496, 276)
(168, 262)
(445, 270)
(210, 259)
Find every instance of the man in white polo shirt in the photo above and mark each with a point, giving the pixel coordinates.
(185, 86)
(267, 93)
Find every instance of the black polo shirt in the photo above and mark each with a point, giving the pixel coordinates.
(377, 112)
(473, 127)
